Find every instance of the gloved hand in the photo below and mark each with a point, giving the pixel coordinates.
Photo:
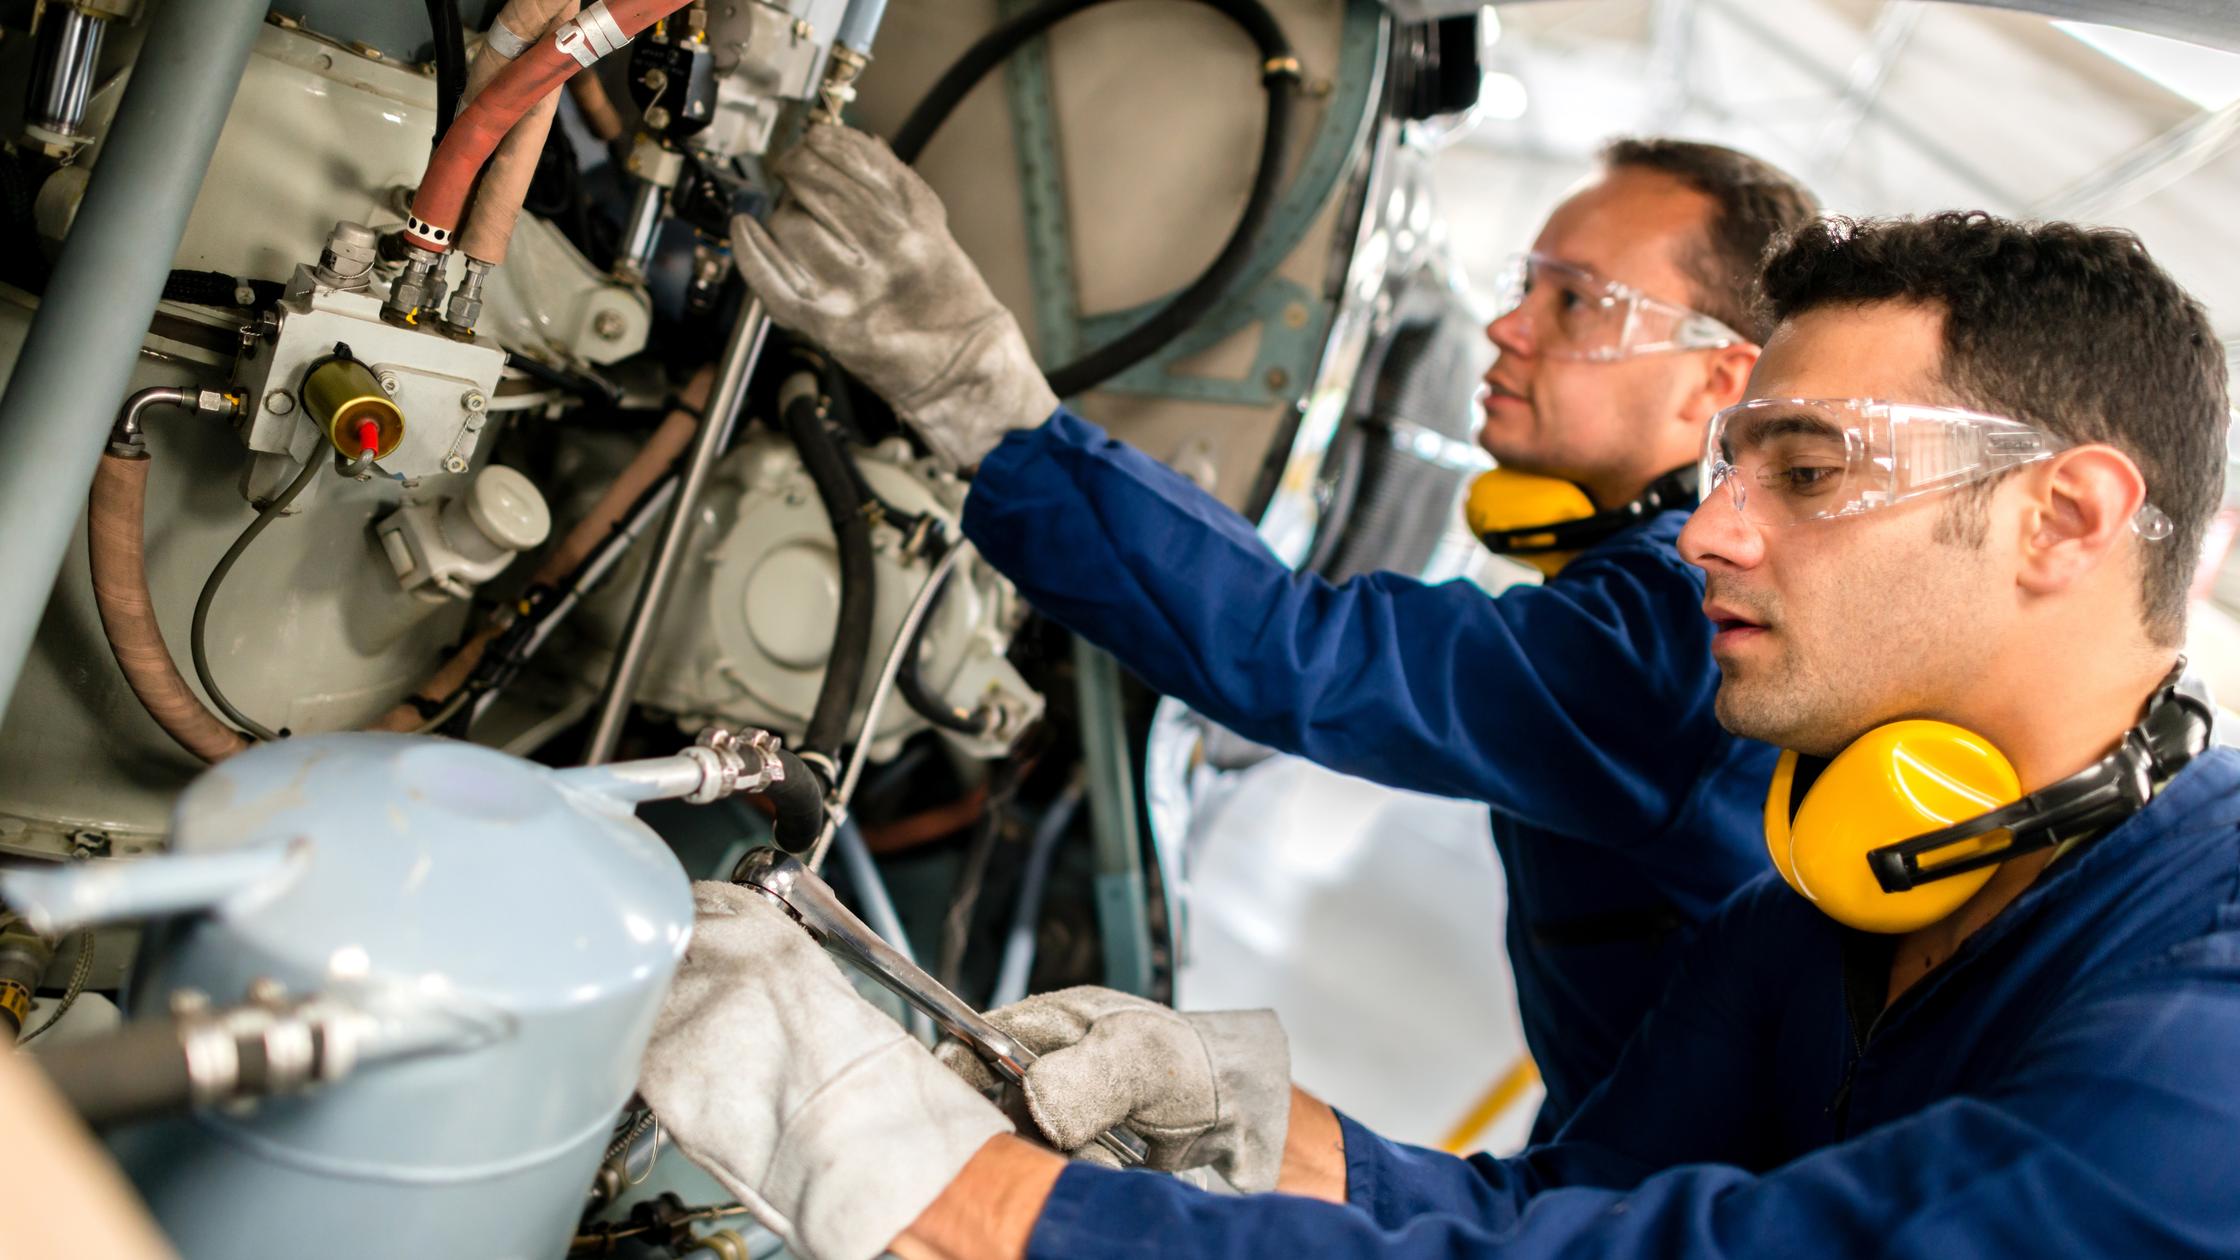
(774, 1075)
(860, 261)
(1208, 1089)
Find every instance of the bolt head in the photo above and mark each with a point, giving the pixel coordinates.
(266, 991)
(473, 400)
(656, 118)
(607, 325)
(1278, 378)
(389, 383)
(455, 463)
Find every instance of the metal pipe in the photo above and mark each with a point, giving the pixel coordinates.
(860, 24)
(85, 339)
(638, 239)
(62, 76)
(725, 401)
(1042, 850)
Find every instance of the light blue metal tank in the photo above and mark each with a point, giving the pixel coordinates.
(526, 902)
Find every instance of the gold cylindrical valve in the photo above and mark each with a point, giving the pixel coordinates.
(347, 401)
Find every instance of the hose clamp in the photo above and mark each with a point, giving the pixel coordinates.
(732, 762)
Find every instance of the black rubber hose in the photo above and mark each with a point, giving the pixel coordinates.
(199, 633)
(921, 698)
(451, 61)
(136, 1072)
(215, 288)
(1279, 75)
(829, 471)
(799, 799)
(589, 386)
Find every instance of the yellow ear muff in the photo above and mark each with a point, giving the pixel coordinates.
(1894, 783)
(1502, 499)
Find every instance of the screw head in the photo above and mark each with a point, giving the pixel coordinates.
(266, 991)
(473, 400)
(656, 117)
(474, 422)
(455, 463)
(1278, 378)
(389, 383)
(607, 325)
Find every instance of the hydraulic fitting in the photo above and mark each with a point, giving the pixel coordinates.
(419, 287)
(24, 955)
(466, 301)
(734, 761)
(350, 406)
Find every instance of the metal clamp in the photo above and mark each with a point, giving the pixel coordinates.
(734, 761)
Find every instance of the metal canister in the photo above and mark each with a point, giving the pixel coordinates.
(346, 399)
(441, 869)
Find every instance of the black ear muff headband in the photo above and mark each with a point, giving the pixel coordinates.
(2179, 724)
(1676, 489)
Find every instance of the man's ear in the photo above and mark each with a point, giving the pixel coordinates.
(2080, 510)
(1726, 375)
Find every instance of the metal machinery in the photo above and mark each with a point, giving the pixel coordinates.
(384, 520)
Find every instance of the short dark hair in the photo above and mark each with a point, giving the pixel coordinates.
(2071, 328)
(1753, 203)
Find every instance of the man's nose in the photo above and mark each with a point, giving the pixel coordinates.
(1718, 535)
(1512, 333)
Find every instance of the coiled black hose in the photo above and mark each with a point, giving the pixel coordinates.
(1279, 74)
(922, 699)
(828, 468)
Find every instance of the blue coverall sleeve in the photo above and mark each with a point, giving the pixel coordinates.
(2111, 1134)
(1533, 701)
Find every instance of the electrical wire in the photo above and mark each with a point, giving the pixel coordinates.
(199, 639)
(904, 636)
(449, 710)
(80, 972)
(451, 61)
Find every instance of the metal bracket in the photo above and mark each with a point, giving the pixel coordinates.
(1293, 322)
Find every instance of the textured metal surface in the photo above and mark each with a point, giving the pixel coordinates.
(74, 369)
(457, 877)
(1292, 321)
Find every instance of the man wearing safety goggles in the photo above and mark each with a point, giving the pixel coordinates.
(1580, 710)
(1987, 1003)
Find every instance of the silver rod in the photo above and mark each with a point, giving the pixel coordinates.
(725, 402)
(62, 79)
(638, 240)
(84, 343)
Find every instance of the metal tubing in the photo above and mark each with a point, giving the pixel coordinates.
(62, 75)
(725, 401)
(638, 239)
(85, 339)
(860, 24)
(1018, 947)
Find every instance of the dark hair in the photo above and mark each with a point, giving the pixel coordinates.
(1754, 202)
(2074, 329)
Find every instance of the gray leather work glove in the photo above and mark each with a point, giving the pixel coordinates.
(804, 1100)
(860, 260)
(1207, 1089)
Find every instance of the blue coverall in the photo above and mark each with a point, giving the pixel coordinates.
(1580, 710)
(2067, 1084)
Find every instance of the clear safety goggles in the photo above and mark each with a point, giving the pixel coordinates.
(1572, 313)
(1786, 460)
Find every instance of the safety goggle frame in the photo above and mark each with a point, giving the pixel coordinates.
(1644, 324)
(1884, 462)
